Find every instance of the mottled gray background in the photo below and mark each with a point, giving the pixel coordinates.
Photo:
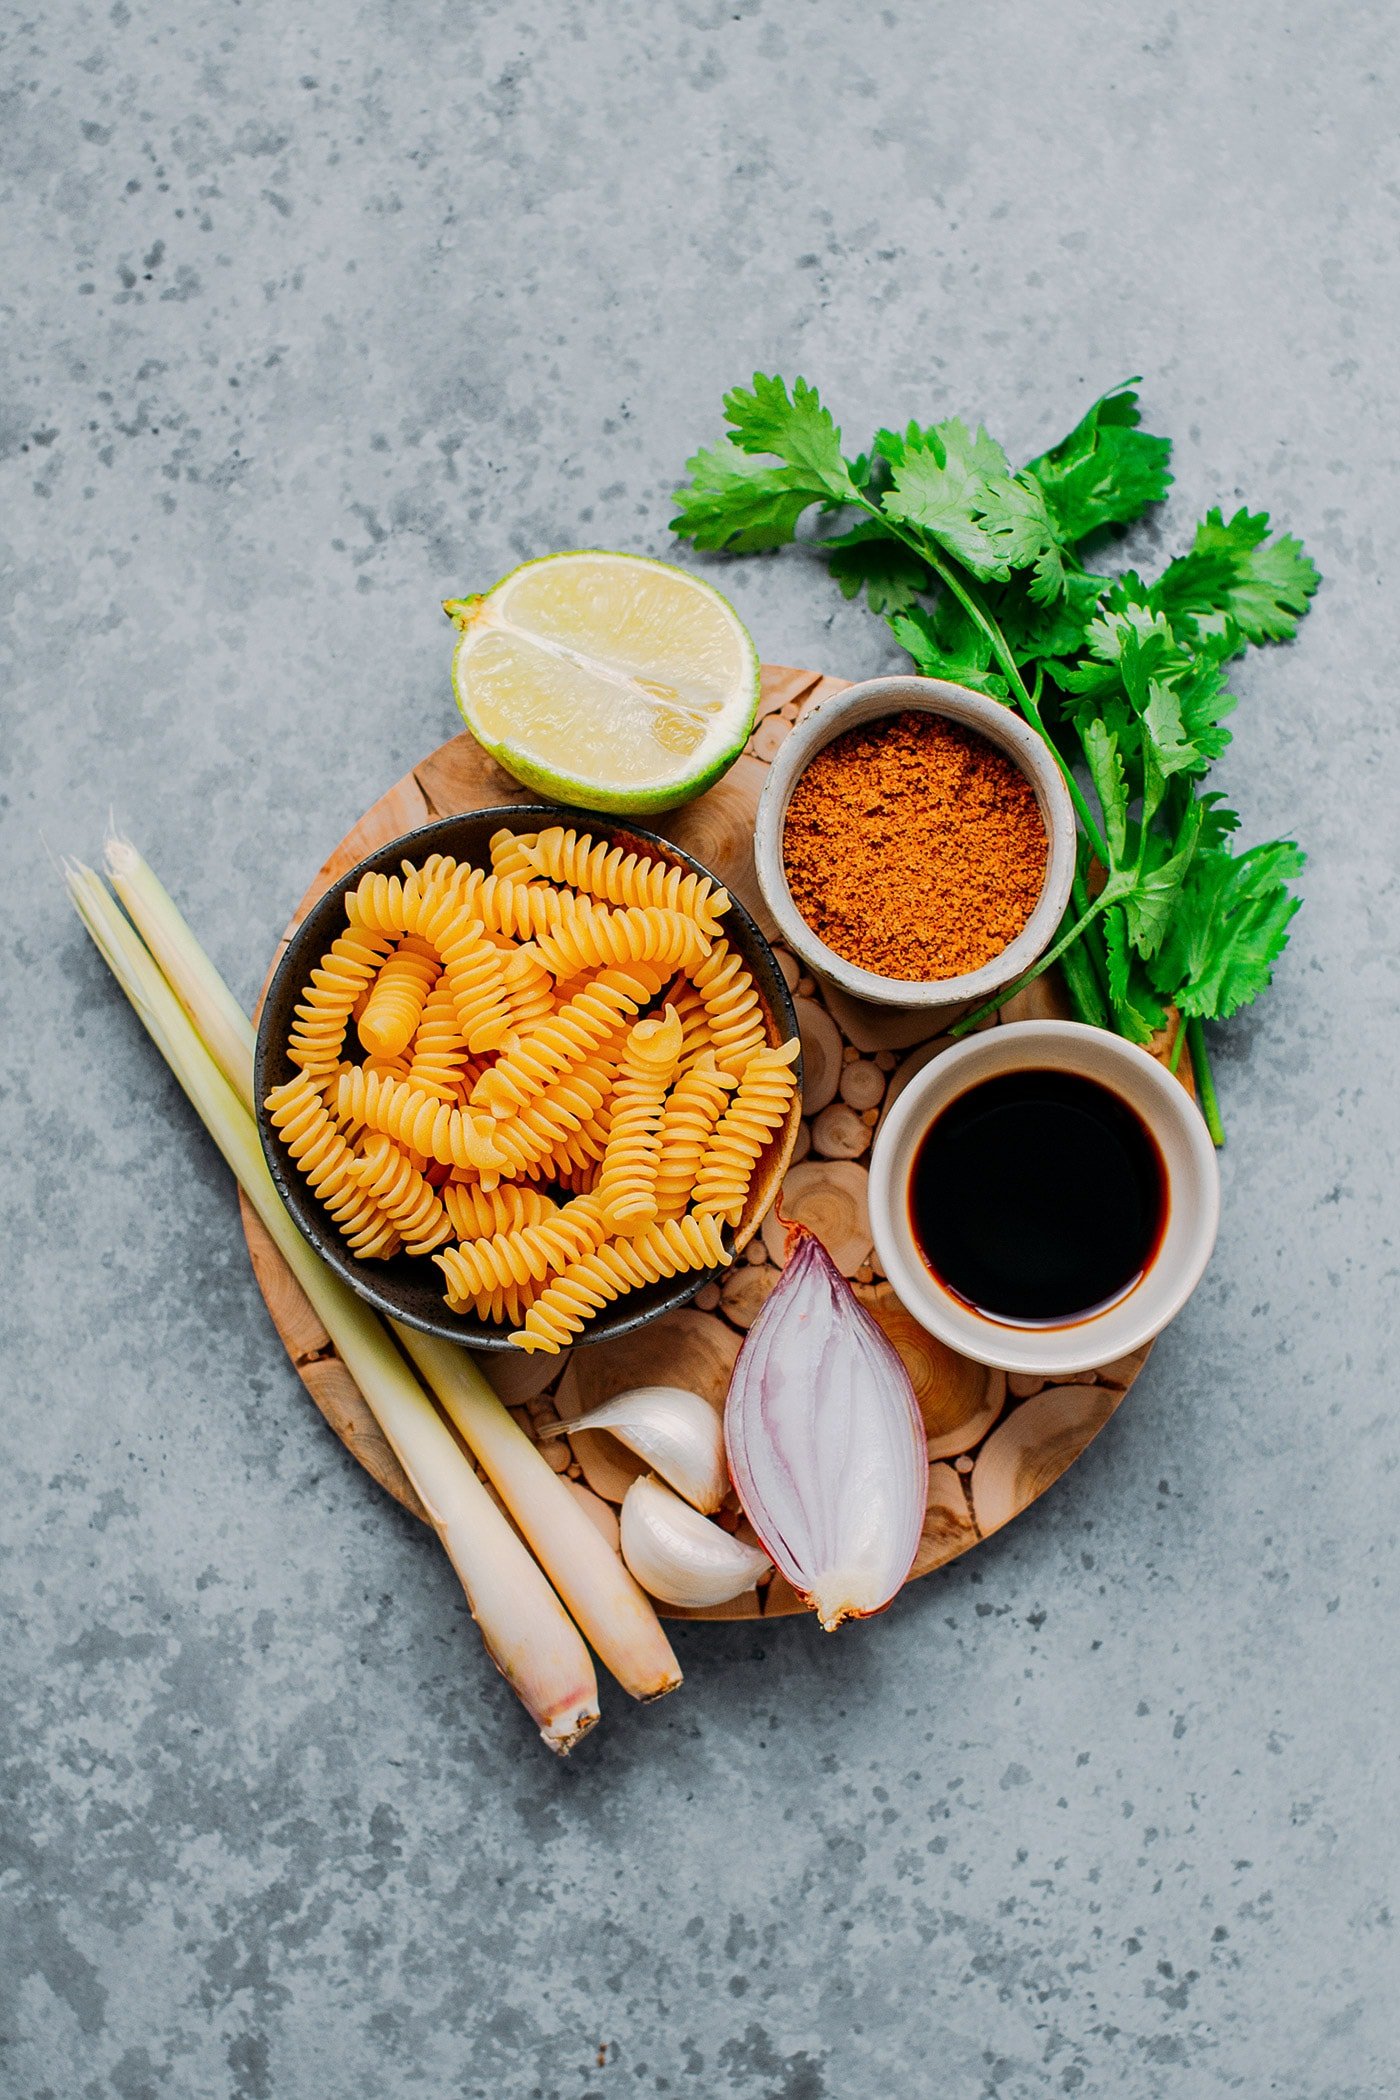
(310, 316)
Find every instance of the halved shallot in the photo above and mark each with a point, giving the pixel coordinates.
(825, 1443)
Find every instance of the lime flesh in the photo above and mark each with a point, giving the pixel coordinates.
(606, 680)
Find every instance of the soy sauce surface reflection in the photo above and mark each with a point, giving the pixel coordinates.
(1038, 1197)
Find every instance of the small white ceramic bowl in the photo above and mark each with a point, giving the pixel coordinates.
(1192, 1196)
(1002, 727)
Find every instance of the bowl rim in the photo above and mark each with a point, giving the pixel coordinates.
(297, 959)
(865, 702)
(1193, 1195)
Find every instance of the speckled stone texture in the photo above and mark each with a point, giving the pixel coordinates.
(312, 316)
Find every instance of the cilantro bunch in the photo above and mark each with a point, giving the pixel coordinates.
(988, 576)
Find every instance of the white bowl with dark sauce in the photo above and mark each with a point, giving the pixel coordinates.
(1044, 1197)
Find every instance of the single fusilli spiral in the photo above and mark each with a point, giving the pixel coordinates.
(589, 936)
(626, 1187)
(731, 1005)
(325, 1157)
(477, 1215)
(472, 965)
(322, 1015)
(524, 910)
(616, 876)
(757, 1110)
(693, 1108)
(439, 1061)
(400, 992)
(526, 1255)
(389, 1176)
(564, 1307)
(419, 1122)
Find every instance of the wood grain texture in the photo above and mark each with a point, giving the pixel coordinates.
(1006, 1461)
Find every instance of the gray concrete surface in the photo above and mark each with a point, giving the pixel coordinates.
(311, 315)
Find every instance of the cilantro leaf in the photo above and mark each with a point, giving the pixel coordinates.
(1138, 1014)
(739, 503)
(944, 643)
(941, 485)
(1106, 772)
(1237, 585)
(892, 574)
(1024, 534)
(1149, 904)
(1106, 472)
(1229, 927)
(797, 429)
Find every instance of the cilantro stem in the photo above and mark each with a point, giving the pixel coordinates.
(1206, 1098)
(927, 551)
(1081, 982)
(1107, 896)
(1178, 1046)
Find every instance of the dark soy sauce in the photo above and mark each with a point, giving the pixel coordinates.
(1038, 1197)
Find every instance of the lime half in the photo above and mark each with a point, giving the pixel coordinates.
(606, 679)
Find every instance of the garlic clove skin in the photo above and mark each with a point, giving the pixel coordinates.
(680, 1436)
(679, 1556)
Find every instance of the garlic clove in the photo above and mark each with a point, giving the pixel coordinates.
(680, 1436)
(679, 1556)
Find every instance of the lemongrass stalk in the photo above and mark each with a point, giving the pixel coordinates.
(219, 1020)
(612, 1608)
(527, 1633)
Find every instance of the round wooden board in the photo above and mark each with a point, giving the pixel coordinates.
(995, 1443)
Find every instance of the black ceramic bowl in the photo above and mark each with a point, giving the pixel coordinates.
(409, 1288)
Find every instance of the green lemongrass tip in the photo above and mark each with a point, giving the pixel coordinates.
(526, 1630)
(219, 1020)
(612, 1609)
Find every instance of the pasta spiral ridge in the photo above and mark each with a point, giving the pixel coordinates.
(693, 1108)
(390, 1177)
(475, 1214)
(564, 1040)
(731, 1006)
(508, 1303)
(529, 990)
(526, 1255)
(617, 876)
(418, 1122)
(510, 856)
(564, 1306)
(524, 910)
(695, 1019)
(473, 967)
(324, 1155)
(400, 992)
(626, 1186)
(337, 984)
(563, 1121)
(439, 1061)
(757, 1110)
(589, 936)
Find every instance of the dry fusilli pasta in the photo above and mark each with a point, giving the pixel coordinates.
(759, 1107)
(491, 1075)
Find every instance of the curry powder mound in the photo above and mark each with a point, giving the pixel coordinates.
(914, 848)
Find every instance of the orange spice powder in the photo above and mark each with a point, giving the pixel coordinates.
(914, 848)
